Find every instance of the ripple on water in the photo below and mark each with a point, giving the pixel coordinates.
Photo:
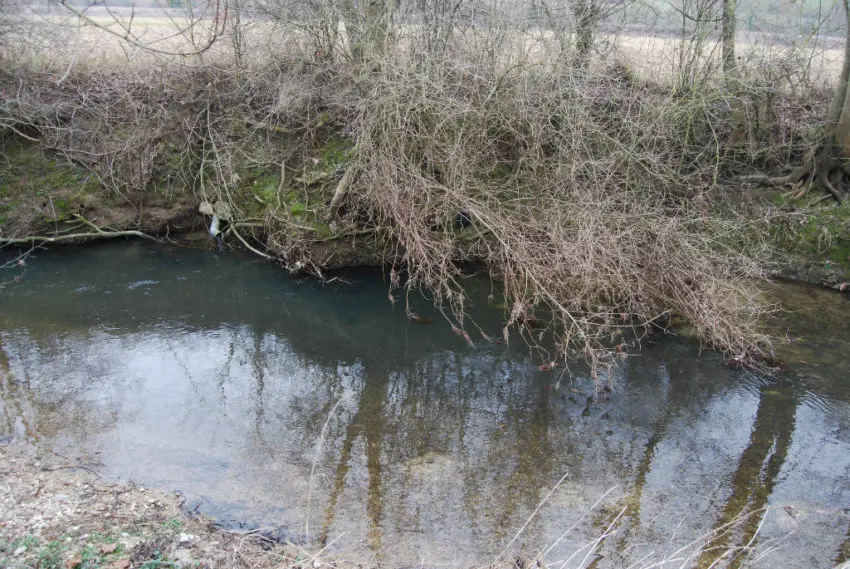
(137, 284)
(224, 388)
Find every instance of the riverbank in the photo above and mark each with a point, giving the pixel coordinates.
(42, 192)
(587, 226)
(57, 512)
(46, 195)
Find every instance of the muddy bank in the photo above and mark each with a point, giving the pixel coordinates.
(58, 513)
(46, 195)
(813, 272)
(42, 194)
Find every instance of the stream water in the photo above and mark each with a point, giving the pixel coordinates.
(319, 411)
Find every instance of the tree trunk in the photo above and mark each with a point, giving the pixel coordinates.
(367, 28)
(353, 29)
(839, 112)
(586, 14)
(237, 38)
(739, 102)
(828, 168)
(377, 26)
(727, 47)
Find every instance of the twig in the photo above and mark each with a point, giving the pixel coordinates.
(501, 556)
(233, 230)
(68, 69)
(73, 467)
(97, 233)
(313, 467)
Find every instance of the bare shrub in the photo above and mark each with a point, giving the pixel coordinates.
(585, 197)
(595, 196)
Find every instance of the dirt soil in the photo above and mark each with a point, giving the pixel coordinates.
(58, 513)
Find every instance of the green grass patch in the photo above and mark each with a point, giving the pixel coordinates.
(98, 550)
(52, 555)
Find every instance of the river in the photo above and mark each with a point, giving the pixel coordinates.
(319, 412)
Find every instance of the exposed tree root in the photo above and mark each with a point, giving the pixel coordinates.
(823, 171)
(340, 191)
(95, 233)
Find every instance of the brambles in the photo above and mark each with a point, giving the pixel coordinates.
(579, 198)
(600, 199)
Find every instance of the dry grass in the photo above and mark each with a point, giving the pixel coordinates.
(595, 195)
(101, 43)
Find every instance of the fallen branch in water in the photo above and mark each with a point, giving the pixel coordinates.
(95, 233)
(232, 229)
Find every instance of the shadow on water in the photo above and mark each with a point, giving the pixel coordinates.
(249, 391)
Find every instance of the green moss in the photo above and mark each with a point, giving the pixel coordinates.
(821, 234)
(306, 188)
(323, 231)
(264, 186)
(266, 194)
(321, 170)
(6, 208)
(29, 169)
(323, 119)
(336, 152)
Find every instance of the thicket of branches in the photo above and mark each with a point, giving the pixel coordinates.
(597, 196)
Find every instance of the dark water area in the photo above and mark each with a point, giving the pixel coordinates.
(320, 411)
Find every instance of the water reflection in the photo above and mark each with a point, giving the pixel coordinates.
(216, 375)
(758, 466)
(843, 554)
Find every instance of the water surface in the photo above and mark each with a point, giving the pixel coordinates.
(321, 412)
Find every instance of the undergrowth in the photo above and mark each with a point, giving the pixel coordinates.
(599, 200)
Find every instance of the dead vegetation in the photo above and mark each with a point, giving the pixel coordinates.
(600, 200)
(584, 198)
(59, 513)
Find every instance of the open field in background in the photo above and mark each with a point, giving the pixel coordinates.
(612, 183)
(657, 59)
(52, 42)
